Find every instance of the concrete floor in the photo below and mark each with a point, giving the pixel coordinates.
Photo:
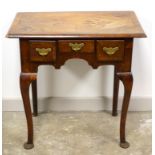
(77, 133)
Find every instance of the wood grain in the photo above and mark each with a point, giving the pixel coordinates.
(118, 24)
(102, 56)
(52, 30)
(89, 46)
(35, 57)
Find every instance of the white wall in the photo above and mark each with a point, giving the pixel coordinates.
(76, 78)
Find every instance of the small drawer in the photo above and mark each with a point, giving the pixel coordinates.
(76, 46)
(42, 51)
(110, 50)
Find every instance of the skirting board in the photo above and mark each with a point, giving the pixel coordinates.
(79, 104)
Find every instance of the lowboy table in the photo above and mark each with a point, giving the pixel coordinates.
(100, 38)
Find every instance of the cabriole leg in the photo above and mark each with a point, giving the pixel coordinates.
(127, 80)
(25, 81)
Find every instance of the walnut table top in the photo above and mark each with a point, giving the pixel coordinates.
(76, 24)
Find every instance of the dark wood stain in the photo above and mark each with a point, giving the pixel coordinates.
(56, 31)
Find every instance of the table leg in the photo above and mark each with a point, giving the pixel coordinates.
(115, 93)
(34, 98)
(25, 81)
(127, 81)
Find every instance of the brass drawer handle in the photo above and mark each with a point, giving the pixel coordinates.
(43, 51)
(76, 46)
(110, 50)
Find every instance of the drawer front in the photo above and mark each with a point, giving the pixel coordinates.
(110, 50)
(76, 46)
(42, 51)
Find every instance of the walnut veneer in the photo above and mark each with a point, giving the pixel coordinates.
(100, 38)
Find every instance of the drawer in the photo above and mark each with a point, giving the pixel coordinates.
(110, 50)
(76, 46)
(42, 51)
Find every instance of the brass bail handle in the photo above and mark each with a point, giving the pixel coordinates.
(110, 50)
(76, 46)
(43, 51)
